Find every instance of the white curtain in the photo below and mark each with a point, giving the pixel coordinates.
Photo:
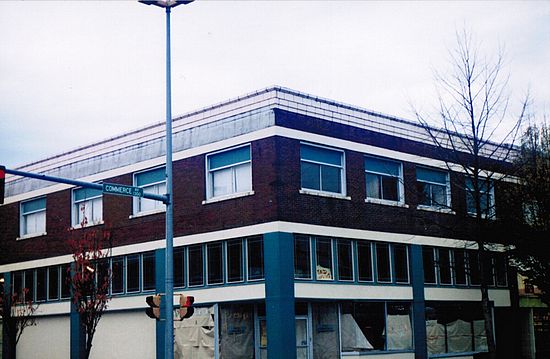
(194, 337)
(399, 331)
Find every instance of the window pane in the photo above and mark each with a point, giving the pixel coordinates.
(345, 267)
(444, 266)
(318, 154)
(149, 271)
(474, 268)
(34, 205)
(324, 259)
(179, 267)
(311, 177)
(500, 269)
(145, 205)
(362, 326)
(230, 157)
(41, 280)
(117, 284)
(381, 166)
(66, 281)
(153, 176)
(424, 192)
(103, 275)
(302, 258)
(53, 283)
(18, 286)
(255, 251)
(222, 182)
(373, 186)
(364, 260)
(243, 178)
(401, 263)
(488, 269)
(236, 331)
(430, 175)
(34, 223)
(331, 179)
(399, 326)
(383, 262)
(325, 331)
(132, 273)
(390, 188)
(235, 260)
(460, 266)
(439, 195)
(84, 193)
(29, 284)
(429, 265)
(214, 270)
(196, 275)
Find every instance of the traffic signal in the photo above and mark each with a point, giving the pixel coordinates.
(154, 306)
(186, 306)
(2, 183)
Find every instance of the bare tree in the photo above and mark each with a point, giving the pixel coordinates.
(476, 137)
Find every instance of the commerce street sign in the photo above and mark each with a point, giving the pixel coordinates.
(122, 190)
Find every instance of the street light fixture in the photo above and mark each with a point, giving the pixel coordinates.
(169, 265)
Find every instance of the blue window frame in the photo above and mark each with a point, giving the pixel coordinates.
(322, 169)
(148, 265)
(255, 258)
(195, 263)
(53, 283)
(302, 257)
(33, 217)
(345, 260)
(433, 187)
(384, 180)
(323, 256)
(179, 267)
(234, 250)
(214, 261)
(229, 172)
(365, 262)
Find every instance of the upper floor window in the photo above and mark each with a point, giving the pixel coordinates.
(33, 217)
(433, 186)
(384, 180)
(486, 197)
(87, 206)
(152, 181)
(322, 169)
(229, 172)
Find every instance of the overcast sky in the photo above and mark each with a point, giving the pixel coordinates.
(75, 72)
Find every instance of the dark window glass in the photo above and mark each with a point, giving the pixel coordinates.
(255, 256)
(460, 266)
(53, 283)
(500, 269)
(149, 271)
(41, 282)
(474, 268)
(429, 265)
(18, 286)
(195, 260)
(66, 280)
(235, 260)
(383, 262)
(488, 269)
(389, 188)
(179, 267)
(321, 169)
(103, 276)
(345, 267)
(302, 258)
(310, 176)
(444, 266)
(132, 273)
(401, 263)
(29, 284)
(364, 260)
(117, 285)
(214, 255)
(324, 259)
(368, 322)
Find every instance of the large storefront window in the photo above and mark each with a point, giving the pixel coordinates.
(237, 331)
(362, 327)
(325, 331)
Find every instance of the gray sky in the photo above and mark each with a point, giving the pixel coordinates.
(75, 72)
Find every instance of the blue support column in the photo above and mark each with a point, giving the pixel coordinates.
(419, 305)
(7, 345)
(78, 333)
(279, 295)
(160, 288)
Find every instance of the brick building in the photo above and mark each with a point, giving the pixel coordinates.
(287, 208)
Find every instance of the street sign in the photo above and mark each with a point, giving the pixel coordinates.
(122, 190)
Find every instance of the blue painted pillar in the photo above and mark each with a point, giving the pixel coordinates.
(419, 305)
(78, 333)
(279, 295)
(159, 287)
(8, 345)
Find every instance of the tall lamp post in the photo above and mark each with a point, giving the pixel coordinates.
(169, 272)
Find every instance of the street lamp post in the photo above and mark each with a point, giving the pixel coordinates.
(169, 272)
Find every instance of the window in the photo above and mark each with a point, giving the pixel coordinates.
(196, 271)
(486, 197)
(459, 257)
(65, 281)
(383, 179)
(444, 258)
(428, 259)
(148, 271)
(33, 217)
(29, 284)
(235, 260)
(401, 263)
(255, 258)
(345, 266)
(87, 206)
(154, 182)
(474, 268)
(179, 267)
(383, 262)
(132, 273)
(117, 269)
(41, 284)
(324, 259)
(364, 262)
(229, 172)
(214, 260)
(500, 270)
(53, 283)
(302, 258)
(433, 186)
(18, 286)
(322, 169)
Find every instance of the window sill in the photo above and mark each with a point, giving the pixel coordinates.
(386, 202)
(79, 226)
(227, 197)
(31, 235)
(324, 194)
(435, 209)
(143, 214)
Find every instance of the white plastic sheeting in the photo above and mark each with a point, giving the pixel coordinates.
(353, 338)
(435, 335)
(459, 336)
(480, 338)
(194, 337)
(399, 331)
(325, 331)
(237, 332)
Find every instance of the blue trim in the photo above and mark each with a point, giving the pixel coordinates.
(78, 334)
(7, 295)
(279, 294)
(159, 288)
(419, 305)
